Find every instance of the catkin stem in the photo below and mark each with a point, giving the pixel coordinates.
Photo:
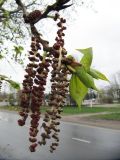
(60, 58)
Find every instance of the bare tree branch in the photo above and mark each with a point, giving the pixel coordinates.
(57, 6)
(22, 6)
(2, 16)
(19, 9)
(45, 43)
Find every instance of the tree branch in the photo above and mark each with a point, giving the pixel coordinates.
(2, 2)
(2, 16)
(19, 9)
(22, 6)
(45, 43)
(57, 6)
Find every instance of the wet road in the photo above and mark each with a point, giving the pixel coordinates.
(77, 142)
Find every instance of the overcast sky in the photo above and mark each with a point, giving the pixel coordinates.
(98, 28)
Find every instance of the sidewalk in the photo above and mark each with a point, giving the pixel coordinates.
(86, 119)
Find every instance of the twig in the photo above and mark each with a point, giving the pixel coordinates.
(22, 6)
(2, 16)
(57, 6)
(60, 58)
(19, 9)
(45, 43)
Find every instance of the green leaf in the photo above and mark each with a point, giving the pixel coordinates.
(1, 42)
(77, 89)
(6, 13)
(1, 56)
(18, 50)
(93, 73)
(14, 84)
(87, 57)
(85, 78)
(11, 82)
(97, 75)
(3, 77)
(21, 48)
(71, 57)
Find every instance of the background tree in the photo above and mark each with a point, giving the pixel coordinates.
(111, 93)
(115, 86)
(14, 30)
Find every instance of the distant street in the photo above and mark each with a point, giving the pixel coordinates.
(77, 142)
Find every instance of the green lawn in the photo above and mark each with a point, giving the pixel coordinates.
(68, 110)
(74, 110)
(17, 108)
(10, 108)
(112, 116)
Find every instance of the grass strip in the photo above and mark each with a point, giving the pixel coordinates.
(111, 116)
(68, 110)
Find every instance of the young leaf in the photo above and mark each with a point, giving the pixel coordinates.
(14, 84)
(85, 78)
(1, 56)
(93, 73)
(87, 58)
(3, 77)
(77, 89)
(98, 75)
(11, 82)
(18, 50)
(6, 13)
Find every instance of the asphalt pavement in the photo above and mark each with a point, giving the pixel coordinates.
(77, 142)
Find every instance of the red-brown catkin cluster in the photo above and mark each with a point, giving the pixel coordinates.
(58, 90)
(34, 85)
(0, 85)
(26, 97)
(33, 90)
(37, 98)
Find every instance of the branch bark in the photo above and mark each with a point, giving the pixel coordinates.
(57, 6)
(22, 6)
(45, 43)
(12, 12)
(19, 9)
